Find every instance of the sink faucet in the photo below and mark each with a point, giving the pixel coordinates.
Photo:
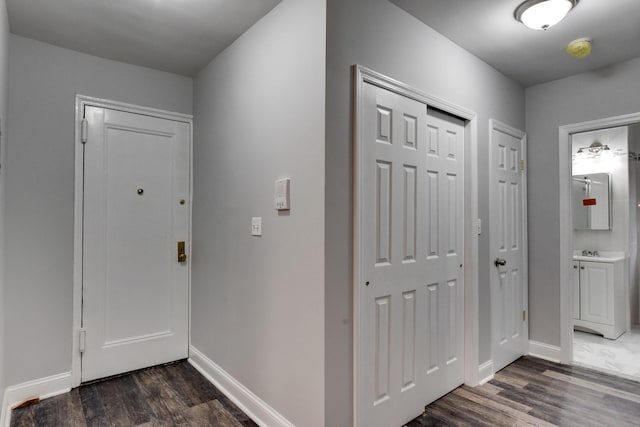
(590, 253)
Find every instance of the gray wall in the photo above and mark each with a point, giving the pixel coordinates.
(4, 52)
(39, 189)
(257, 302)
(379, 35)
(588, 96)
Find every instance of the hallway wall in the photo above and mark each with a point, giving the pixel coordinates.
(44, 80)
(257, 302)
(4, 61)
(598, 94)
(383, 37)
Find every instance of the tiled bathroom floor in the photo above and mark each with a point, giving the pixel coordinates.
(620, 356)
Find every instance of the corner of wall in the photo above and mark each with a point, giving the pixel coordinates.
(259, 116)
(257, 409)
(545, 351)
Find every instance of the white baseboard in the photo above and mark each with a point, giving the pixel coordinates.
(259, 411)
(544, 351)
(41, 388)
(485, 372)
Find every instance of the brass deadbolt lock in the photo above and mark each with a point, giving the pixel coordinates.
(182, 255)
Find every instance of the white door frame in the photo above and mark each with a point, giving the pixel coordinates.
(81, 102)
(566, 221)
(522, 136)
(364, 75)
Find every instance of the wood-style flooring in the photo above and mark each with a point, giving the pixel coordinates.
(529, 392)
(169, 395)
(534, 392)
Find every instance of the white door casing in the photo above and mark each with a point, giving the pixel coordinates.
(576, 289)
(508, 231)
(135, 293)
(412, 295)
(565, 229)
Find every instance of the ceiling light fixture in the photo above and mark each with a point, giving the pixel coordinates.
(543, 14)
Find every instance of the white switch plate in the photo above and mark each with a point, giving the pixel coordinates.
(256, 226)
(282, 196)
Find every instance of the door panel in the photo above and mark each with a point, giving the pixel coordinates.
(596, 292)
(576, 290)
(135, 293)
(506, 232)
(413, 305)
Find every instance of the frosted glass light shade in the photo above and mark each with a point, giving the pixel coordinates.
(543, 14)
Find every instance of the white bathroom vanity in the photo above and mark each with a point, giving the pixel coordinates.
(600, 293)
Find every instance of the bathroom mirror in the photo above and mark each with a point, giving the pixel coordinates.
(591, 201)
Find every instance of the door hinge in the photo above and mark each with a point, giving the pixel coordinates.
(82, 340)
(521, 165)
(524, 315)
(84, 130)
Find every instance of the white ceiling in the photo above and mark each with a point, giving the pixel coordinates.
(488, 29)
(179, 36)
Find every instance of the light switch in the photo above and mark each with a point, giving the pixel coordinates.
(282, 194)
(256, 226)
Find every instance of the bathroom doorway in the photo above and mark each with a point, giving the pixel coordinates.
(604, 195)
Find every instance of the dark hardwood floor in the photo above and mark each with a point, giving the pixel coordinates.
(534, 392)
(530, 392)
(169, 395)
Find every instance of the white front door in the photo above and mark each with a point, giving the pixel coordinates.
(508, 234)
(136, 210)
(411, 298)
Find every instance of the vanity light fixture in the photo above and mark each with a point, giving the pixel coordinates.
(594, 149)
(543, 14)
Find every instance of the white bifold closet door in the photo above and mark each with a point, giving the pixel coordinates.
(412, 299)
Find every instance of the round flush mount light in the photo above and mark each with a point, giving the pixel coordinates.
(543, 14)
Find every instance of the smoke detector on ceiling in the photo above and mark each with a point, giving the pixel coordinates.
(580, 48)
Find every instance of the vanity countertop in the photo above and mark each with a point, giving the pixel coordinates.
(603, 256)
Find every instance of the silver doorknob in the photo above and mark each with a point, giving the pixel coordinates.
(499, 261)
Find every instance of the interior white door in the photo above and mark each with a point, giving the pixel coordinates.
(411, 299)
(508, 231)
(136, 210)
